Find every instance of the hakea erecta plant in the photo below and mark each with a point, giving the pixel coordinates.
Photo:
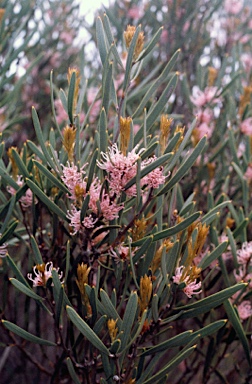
(122, 259)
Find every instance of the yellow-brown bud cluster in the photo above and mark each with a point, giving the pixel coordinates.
(125, 125)
(13, 163)
(128, 36)
(112, 328)
(82, 279)
(69, 136)
(212, 75)
(165, 125)
(145, 292)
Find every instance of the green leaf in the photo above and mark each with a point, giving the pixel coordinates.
(110, 310)
(26, 335)
(70, 97)
(21, 166)
(170, 231)
(155, 112)
(128, 319)
(51, 177)
(101, 40)
(157, 83)
(215, 210)
(36, 252)
(7, 234)
(176, 341)
(130, 58)
(16, 271)
(208, 259)
(170, 366)
(151, 44)
(42, 196)
(149, 168)
(110, 38)
(71, 371)
(103, 131)
(236, 323)
(84, 328)
(213, 301)
(41, 139)
(24, 289)
(183, 169)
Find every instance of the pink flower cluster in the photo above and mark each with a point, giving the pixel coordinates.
(107, 207)
(103, 203)
(192, 287)
(121, 169)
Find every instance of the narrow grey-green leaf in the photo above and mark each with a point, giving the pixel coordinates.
(208, 259)
(26, 335)
(36, 252)
(183, 169)
(24, 289)
(71, 371)
(51, 177)
(84, 328)
(236, 323)
(42, 196)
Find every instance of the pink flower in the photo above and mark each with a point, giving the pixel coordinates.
(73, 179)
(233, 6)
(178, 274)
(121, 169)
(74, 217)
(109, 208)
(248, 173)
(204, 129)
(244, 310)
(89, 222)
(27, 199)
(43, 272)
(135, 12)
(66, 36)
(246, 126)
(201, 98)
(192, 287)
(244, 254)
(164, 37)
(205, 115)
(246, 59)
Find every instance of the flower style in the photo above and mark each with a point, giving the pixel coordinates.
(43, 272)
(3, 248)
(244, 309)
(74, 217)
(192, 287)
